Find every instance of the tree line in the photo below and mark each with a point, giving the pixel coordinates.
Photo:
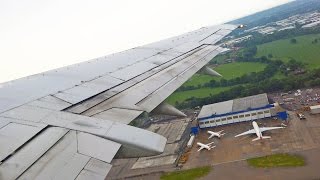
(307, 80)
(273, 66)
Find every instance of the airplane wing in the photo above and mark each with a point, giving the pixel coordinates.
(201, 148)
(69, 123)
(251, 131)
(262, 129)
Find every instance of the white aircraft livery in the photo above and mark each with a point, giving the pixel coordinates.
(205, 146)
(258, 131)
(217, 134)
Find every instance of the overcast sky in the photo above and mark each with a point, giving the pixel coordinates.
(39, 35)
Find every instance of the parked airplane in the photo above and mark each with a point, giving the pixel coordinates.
(205, 146)
(218, 134)
(258, 131)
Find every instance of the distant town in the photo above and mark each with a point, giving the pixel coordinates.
(306, 20)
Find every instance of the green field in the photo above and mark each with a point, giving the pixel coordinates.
(228, 71)
(278, 75)
(277, 160)
(189, 174)
(220, 59)
(303, 50)
(199, 93)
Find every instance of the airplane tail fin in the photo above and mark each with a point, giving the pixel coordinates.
(256, 139)
(263, 137)
(222, 134)
(212, 147)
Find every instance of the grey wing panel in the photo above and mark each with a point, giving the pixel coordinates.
(94, 170)
(58, 153)
(50, 102)
(124, 116)
(60, 162)
(30, 153)
(149, 93)
(14, 135)
(64, 82)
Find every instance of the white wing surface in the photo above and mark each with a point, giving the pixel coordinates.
(70, 122)
(252, 131)
(201, 148)
(262, 129)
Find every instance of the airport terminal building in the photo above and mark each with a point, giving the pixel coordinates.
(237, 110)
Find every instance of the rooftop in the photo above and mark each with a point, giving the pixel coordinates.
(236, 105)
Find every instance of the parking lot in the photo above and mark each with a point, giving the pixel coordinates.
(298, 99)
(299, 135)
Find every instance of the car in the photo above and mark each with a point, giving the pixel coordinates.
(301, 116)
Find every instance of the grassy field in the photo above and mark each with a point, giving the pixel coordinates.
(303, 50)
(277, 160)
(220, 59)
(190, 174)
(199, 93)
(228, 71)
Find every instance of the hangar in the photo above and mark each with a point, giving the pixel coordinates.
(237, 110)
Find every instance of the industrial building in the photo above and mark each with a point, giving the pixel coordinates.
(315, 109)
(237, 110)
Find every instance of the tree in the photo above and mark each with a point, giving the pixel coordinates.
(293, 41)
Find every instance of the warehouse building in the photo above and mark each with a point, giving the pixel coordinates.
(237, 110)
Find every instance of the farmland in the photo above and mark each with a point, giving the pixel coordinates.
(228, 71)
(199, 93)
(304, 50)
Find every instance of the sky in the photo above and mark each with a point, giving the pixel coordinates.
(39, 35)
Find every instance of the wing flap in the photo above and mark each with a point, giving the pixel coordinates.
(20, 161)
(14, 135)
(62, 161)
(120, 115)
(94, 170)
(96, 147)
(58, 154)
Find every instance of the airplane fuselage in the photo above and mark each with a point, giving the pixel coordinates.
(204, 145)
(257, 129)
(214, 134)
